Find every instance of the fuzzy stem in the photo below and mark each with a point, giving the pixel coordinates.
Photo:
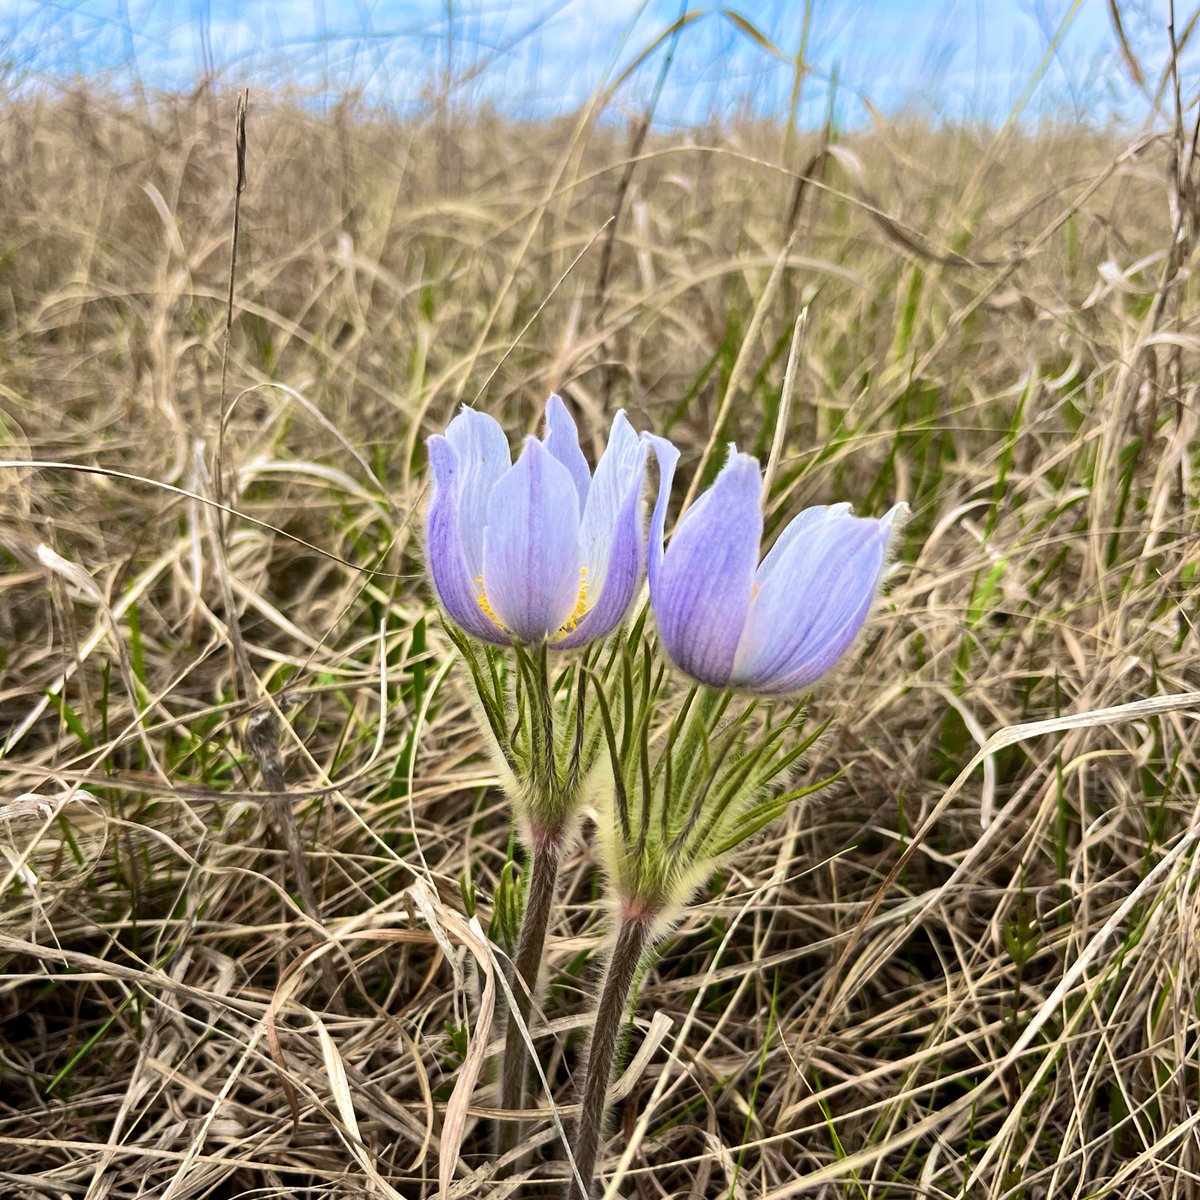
(633, 936)
(539, 900)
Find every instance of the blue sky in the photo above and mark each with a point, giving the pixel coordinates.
(955, 58)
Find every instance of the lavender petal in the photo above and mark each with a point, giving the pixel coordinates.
(668, 458)
(812, 602)
(616, 556)
(452, 579)
(483, 456)
(704, 583)
(532, 556)
(562, 440)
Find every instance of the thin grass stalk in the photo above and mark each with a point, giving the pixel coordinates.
(633, 937)
(263, 729)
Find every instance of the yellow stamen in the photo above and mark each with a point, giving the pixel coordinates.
(581, 605)
(482, 601)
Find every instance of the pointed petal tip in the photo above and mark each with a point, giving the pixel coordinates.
(556, 412)
(560, 436)
(664, 449)
(533, 450)
(740, 470)
(468, 417)
(620, 421)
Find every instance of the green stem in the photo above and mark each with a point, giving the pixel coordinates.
(539, 900)
(633, 937)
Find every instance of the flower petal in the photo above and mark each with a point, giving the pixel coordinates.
(668, 458)
(615, 545)
(804, 522)
(452, 579)
(615, 472)
(703, 587)
(562, 440)
(531, 551)
(812, 603)
(483, 456)
(616, 556)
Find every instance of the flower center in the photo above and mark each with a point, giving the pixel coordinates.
(581, 607)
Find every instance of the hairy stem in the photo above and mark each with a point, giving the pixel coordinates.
(539, 900)
(632, 939)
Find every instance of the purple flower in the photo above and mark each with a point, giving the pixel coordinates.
(540, 549)
(774, 627)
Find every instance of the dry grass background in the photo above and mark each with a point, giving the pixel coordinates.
(1002, 332)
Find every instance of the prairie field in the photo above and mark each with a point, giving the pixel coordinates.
(246, 815)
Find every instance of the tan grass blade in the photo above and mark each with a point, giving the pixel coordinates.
(339, 1085)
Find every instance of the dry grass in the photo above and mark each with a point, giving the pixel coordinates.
(1012, 1013)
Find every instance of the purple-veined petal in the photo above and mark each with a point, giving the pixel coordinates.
(452, 580)
(703, 586)
(668, 458)
(617, 558)
(483, 456)
(614, 477)
(617, 553)
(812, 603)
(562, 440)
(804, 522)
(532, 556)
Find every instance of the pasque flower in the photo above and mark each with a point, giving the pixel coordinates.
(775, 627)
(540, 549)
